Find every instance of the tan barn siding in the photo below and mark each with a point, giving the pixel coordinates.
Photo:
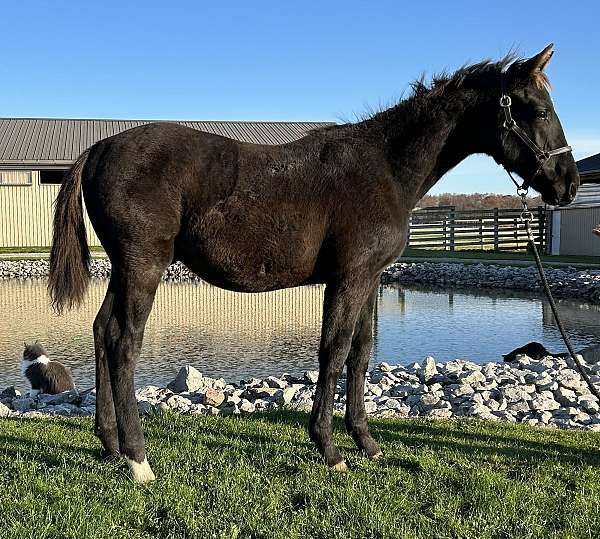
(576, 236)
(26, 213)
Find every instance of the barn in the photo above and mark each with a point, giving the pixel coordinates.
(571, 226)
(35, 153)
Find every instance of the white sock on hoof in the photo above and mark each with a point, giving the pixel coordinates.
(141, 471)
(340, 467)
(376, 456)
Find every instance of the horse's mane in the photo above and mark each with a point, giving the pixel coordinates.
(482, 75)
(466, 76)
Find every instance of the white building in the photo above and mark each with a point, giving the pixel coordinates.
(571, 226)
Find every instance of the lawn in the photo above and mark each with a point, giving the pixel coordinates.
(260, 477)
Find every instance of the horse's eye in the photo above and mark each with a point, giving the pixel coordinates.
(541, 114)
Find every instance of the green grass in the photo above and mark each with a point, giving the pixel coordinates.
(260, 477)
(491, 255)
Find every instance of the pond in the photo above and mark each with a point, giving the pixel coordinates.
(231, 335)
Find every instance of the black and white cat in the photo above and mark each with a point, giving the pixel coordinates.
(44, 375)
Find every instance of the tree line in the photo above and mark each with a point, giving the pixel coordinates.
(477, 201)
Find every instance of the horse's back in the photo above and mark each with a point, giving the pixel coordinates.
(225, 206)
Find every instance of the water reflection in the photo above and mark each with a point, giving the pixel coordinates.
(240, 335)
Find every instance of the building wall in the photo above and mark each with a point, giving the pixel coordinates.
(576, 236)
(26, 213)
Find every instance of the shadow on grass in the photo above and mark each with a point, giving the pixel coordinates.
(499, 440)
(472, 439)
(29, 439)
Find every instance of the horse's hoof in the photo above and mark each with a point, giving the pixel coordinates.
(376, 456)
(140, 471)
(341, 467)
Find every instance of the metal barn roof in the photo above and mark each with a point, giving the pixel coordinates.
(589, 164)
(48, 143)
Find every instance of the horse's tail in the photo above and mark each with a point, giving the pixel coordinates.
(70, 254)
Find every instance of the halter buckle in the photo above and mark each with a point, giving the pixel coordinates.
(522, 191)
(505, 101)
(526, 216)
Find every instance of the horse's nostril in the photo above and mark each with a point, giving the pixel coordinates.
(572, 191)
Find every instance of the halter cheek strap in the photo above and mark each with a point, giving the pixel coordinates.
(509, 125)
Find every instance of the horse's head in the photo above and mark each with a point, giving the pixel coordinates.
(533, 143)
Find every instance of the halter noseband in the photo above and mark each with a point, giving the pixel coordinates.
(509, 125)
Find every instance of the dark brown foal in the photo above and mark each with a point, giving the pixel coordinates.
(331, 208)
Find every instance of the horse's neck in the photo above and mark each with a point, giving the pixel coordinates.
(423, 146)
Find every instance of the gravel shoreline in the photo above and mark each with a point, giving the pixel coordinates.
(546, 392)
(565, 282)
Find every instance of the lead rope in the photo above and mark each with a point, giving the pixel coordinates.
(526, 217)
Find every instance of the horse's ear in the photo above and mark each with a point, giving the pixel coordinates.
(533, 69)
(538, 63)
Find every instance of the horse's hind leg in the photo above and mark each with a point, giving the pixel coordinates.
(133, 302)
(357, 363)
(342, 304)
(106, 421)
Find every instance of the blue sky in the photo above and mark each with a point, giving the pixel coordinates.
(267, 60)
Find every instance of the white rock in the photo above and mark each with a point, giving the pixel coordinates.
(187, 379)
(177, 402)
(429, 400)
(370, 407)
(311, 377)
(515, 394)
(4, 410)
(566, 397)
(393, 404)
(213, 397)
(428, 369)
(518, 406)
(286, 395)
(589, 405)
(272, 381)
(543, 403)
(472, 377)
(246, 406)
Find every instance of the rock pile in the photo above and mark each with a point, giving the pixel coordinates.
(545, 392)
(564, 282)
(99, 269)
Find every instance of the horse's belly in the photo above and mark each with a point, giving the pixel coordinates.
(249, 278)
(255, 252)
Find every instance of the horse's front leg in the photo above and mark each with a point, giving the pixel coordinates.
(341, 307)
